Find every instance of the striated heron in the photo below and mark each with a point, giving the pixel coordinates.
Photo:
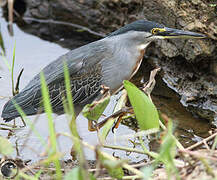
(107, 61)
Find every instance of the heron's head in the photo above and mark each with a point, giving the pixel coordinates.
(147, 31)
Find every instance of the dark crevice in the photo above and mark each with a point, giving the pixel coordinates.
(20, 7)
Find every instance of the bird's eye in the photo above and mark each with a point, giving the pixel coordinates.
(155, 30)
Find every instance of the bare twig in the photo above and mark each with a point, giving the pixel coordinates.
(67, 24)
(202, 142)
(6, 129)
(142, 164)
(10, 16)
(197, 154)
(206, 145)
(151, 83)
(124, 149)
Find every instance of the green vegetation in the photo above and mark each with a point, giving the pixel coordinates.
(5, 146)
(48, 111)
(145, 111)
(2, 46)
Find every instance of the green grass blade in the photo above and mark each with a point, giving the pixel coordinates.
(145, 111)
(48, 111)
(168, 151)
(72, 125)
(214, 144)
(76, 174)
(68, 90)
(12, 70)
(109, 124)
(2, 43)
(5, 146)
(6, 61)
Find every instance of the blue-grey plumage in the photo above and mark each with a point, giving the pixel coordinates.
(107, 62)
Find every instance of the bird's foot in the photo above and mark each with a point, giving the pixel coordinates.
(93, 126)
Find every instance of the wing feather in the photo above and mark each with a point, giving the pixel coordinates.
(85, 74)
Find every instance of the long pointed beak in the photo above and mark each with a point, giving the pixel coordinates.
(169, 33)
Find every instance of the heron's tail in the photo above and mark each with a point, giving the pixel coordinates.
(10, 111)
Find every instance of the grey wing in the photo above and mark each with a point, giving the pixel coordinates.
(78, 61)
(84, 65)
(84, 88)
(85, 73)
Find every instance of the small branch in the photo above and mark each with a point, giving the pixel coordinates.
(65, 23)
(138, 134)
(201, 142)
(142, 164)
(206, 145)
(6, 129)
(10, 16)
(151, 83)
(124, 149)
(197, 154)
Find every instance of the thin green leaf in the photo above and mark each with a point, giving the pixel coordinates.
(72, 125)
(214, 144)
(6, 61)
(12, 70)
(68, 90)
(109, 124)
(38, 174)
(168, 152)
(76, 174)
(94, 110)
(2, 43)
(106, 129)
(48, 111)
(168, 147)
(147, 171)
(145, 111)
(113, 167)
(5, 146)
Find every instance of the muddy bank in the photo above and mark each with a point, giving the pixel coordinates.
(191, 165)
(189, 66)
